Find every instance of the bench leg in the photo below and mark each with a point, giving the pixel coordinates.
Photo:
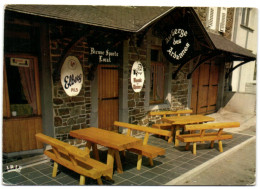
(139, 162)
(82, 180)
(194, 148)
(110, 157)
(151, 162)
(99, 181)
(110, 161)
(187, 146)
(220, 146)
(212, 144)
(88, 147)
(171, 137)
(55, 169)
(177, 133)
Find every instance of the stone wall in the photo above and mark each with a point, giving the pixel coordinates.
(229, 23)
(180, 89)
(136, 100)
(70, 113)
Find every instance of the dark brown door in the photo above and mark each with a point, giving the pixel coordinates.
(107, 96)
(205, 88)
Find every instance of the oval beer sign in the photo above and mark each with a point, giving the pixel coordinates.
(71, 76)
(137, 76)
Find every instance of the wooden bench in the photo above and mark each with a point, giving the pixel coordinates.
(74, 159)
(144, 149)
(209, 136)
(165, 125)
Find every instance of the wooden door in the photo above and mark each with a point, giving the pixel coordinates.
(107, 96)
(205, 88)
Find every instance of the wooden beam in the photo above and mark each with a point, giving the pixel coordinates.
(231, 70)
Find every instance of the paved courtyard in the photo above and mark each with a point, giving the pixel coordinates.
(173, 165)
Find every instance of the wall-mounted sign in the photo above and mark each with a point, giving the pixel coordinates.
(103, 56)
(137, 76)
(71, 76)
(21, 62)
(178, 44)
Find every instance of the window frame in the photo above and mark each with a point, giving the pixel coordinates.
(6, 100)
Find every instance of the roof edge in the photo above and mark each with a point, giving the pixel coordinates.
(153, 20)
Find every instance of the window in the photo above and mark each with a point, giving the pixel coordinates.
(22, 86)
(212, 17)
(223, 18)
(245, 16)
(156, 78)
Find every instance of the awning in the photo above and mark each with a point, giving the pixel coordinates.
(223, 44)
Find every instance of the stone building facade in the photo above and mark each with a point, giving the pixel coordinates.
(72, 113)
(49, 35)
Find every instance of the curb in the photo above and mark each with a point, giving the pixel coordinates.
(205, 165)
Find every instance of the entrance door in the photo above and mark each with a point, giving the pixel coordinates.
(107, 96)
(205, 88)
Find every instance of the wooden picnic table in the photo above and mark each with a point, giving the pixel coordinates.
(115, 142)
(180, 121)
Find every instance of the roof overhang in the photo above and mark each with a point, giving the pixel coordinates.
(124, 18)
(235, 51)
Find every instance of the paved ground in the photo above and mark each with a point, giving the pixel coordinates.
(238, 168)
(176, 164)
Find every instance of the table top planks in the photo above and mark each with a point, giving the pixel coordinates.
(191, 119)
(106, 138)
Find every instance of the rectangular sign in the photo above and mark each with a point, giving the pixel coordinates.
(104, 55)
(21, 62)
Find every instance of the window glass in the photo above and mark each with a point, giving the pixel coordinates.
(21, 88)
(245, 16)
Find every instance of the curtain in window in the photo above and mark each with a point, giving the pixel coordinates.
(28, 83)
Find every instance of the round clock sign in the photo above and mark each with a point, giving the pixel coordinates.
(71, 76)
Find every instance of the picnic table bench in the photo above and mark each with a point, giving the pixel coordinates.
(115, 143)
(165, 125)
(74, 159)
(207, 136)
(144, 149)
(179, 122)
